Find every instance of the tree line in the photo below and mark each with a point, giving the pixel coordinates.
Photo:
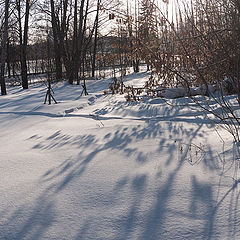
(64, 31)
(184, 42)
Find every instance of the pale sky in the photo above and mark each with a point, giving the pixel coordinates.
(121, 8)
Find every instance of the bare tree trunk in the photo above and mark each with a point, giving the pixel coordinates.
(136, 59)
(57, 42)
(73, 74)
(8, 60)
(4, 50)
(78, 35)
(95, 40)
(23, 38)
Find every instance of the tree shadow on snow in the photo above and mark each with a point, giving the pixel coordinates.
(31, 221)
(41, 216)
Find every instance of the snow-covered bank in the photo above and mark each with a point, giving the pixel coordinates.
(98, 167)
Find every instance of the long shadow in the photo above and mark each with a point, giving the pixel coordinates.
(102, 118)
(30, 222)
(31, 113)
(28, 97)
(213, 209)
(157, 215)
(119, 140)
(201, 206)
(205, 207)
(90, 146)
(38, 219)
(72, 169)
(128, 223)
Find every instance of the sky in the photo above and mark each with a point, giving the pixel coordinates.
(120, 9)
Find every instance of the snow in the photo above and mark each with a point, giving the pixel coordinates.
(98, 167)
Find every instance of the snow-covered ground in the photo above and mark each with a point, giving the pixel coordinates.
(98, 167)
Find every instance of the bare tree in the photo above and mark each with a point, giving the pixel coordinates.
(95, 38)
(4, 49)
(59, 20)
(23, 38)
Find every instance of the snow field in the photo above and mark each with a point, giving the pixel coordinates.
(98, 167)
